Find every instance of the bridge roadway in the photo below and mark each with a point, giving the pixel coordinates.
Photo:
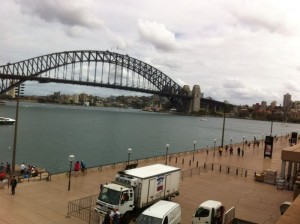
(47, 202)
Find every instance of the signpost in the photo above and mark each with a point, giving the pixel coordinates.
(268, 146)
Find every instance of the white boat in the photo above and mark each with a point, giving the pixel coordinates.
(6, 120)
(203, 119)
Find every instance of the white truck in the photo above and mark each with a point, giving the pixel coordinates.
(213, 212)
(135, 189)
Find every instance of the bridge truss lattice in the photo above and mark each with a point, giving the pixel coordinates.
(91, 68)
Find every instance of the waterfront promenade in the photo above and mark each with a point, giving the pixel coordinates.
(47, 201)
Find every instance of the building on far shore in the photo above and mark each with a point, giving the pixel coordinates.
(287, 101)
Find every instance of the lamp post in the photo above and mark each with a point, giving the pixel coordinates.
(223, 129)
(19, 91)
(167, 148)
(215, 140)
(230, 142)
(243, 142)
(71, 159)
(194, 150)
(129, 150)
(272, 123)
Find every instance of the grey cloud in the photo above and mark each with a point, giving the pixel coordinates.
(61, 12)
(158, 35)
(292, 86)
(233, 84)
(260, 17)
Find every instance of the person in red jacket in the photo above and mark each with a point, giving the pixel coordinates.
(76, 167)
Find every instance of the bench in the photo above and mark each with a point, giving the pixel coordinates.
(41, 175)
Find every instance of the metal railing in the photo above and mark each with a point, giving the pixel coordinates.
(222, 168)
(84, 209)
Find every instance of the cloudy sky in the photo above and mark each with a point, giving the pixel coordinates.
(243, 51)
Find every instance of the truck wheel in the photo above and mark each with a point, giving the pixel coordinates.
(126, 218)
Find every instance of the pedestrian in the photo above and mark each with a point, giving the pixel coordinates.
(116, 217)
(7, 168)
(107, 218)
(34, 172)
(220, 150)
(22, 168)
(206, 150)
(13, 184)
(76, 167)
(83, 168)
(238, 151)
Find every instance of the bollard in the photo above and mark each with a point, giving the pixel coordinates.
(255, 174)
(246, 173)
(204, 166)
(182, 161)
(197, 164)
(228, 169)
(190, 163)
(169, 159)
(237, 171)
(176, 160)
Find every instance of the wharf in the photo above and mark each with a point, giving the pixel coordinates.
(47, 201)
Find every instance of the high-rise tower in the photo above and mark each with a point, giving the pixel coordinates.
(287, 100)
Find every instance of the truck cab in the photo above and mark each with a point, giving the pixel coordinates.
(209, 212)
(115, 196)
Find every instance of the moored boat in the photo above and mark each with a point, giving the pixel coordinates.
(6, 120)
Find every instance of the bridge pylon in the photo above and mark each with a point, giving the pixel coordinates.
(193, 104)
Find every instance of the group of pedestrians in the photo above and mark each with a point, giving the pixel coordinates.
(29, 171)
(112, 217)
(80, 166)
(240, 152)
(5, 168)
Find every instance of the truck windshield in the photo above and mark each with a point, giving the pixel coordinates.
(110, 196)
(202, 212)
(145, 219)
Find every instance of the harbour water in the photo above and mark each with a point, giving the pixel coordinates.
(48, 133)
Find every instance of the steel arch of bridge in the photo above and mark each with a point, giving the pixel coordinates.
(80, 67)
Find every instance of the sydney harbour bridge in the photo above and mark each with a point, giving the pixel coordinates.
(101, 69)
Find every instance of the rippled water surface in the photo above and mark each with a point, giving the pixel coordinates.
(48, 133)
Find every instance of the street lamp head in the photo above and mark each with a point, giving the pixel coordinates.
(215, 140)
(195, 142)
(129, 150)
(71, 158)
(167, 145)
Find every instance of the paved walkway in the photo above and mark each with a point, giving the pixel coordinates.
(46, 202)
